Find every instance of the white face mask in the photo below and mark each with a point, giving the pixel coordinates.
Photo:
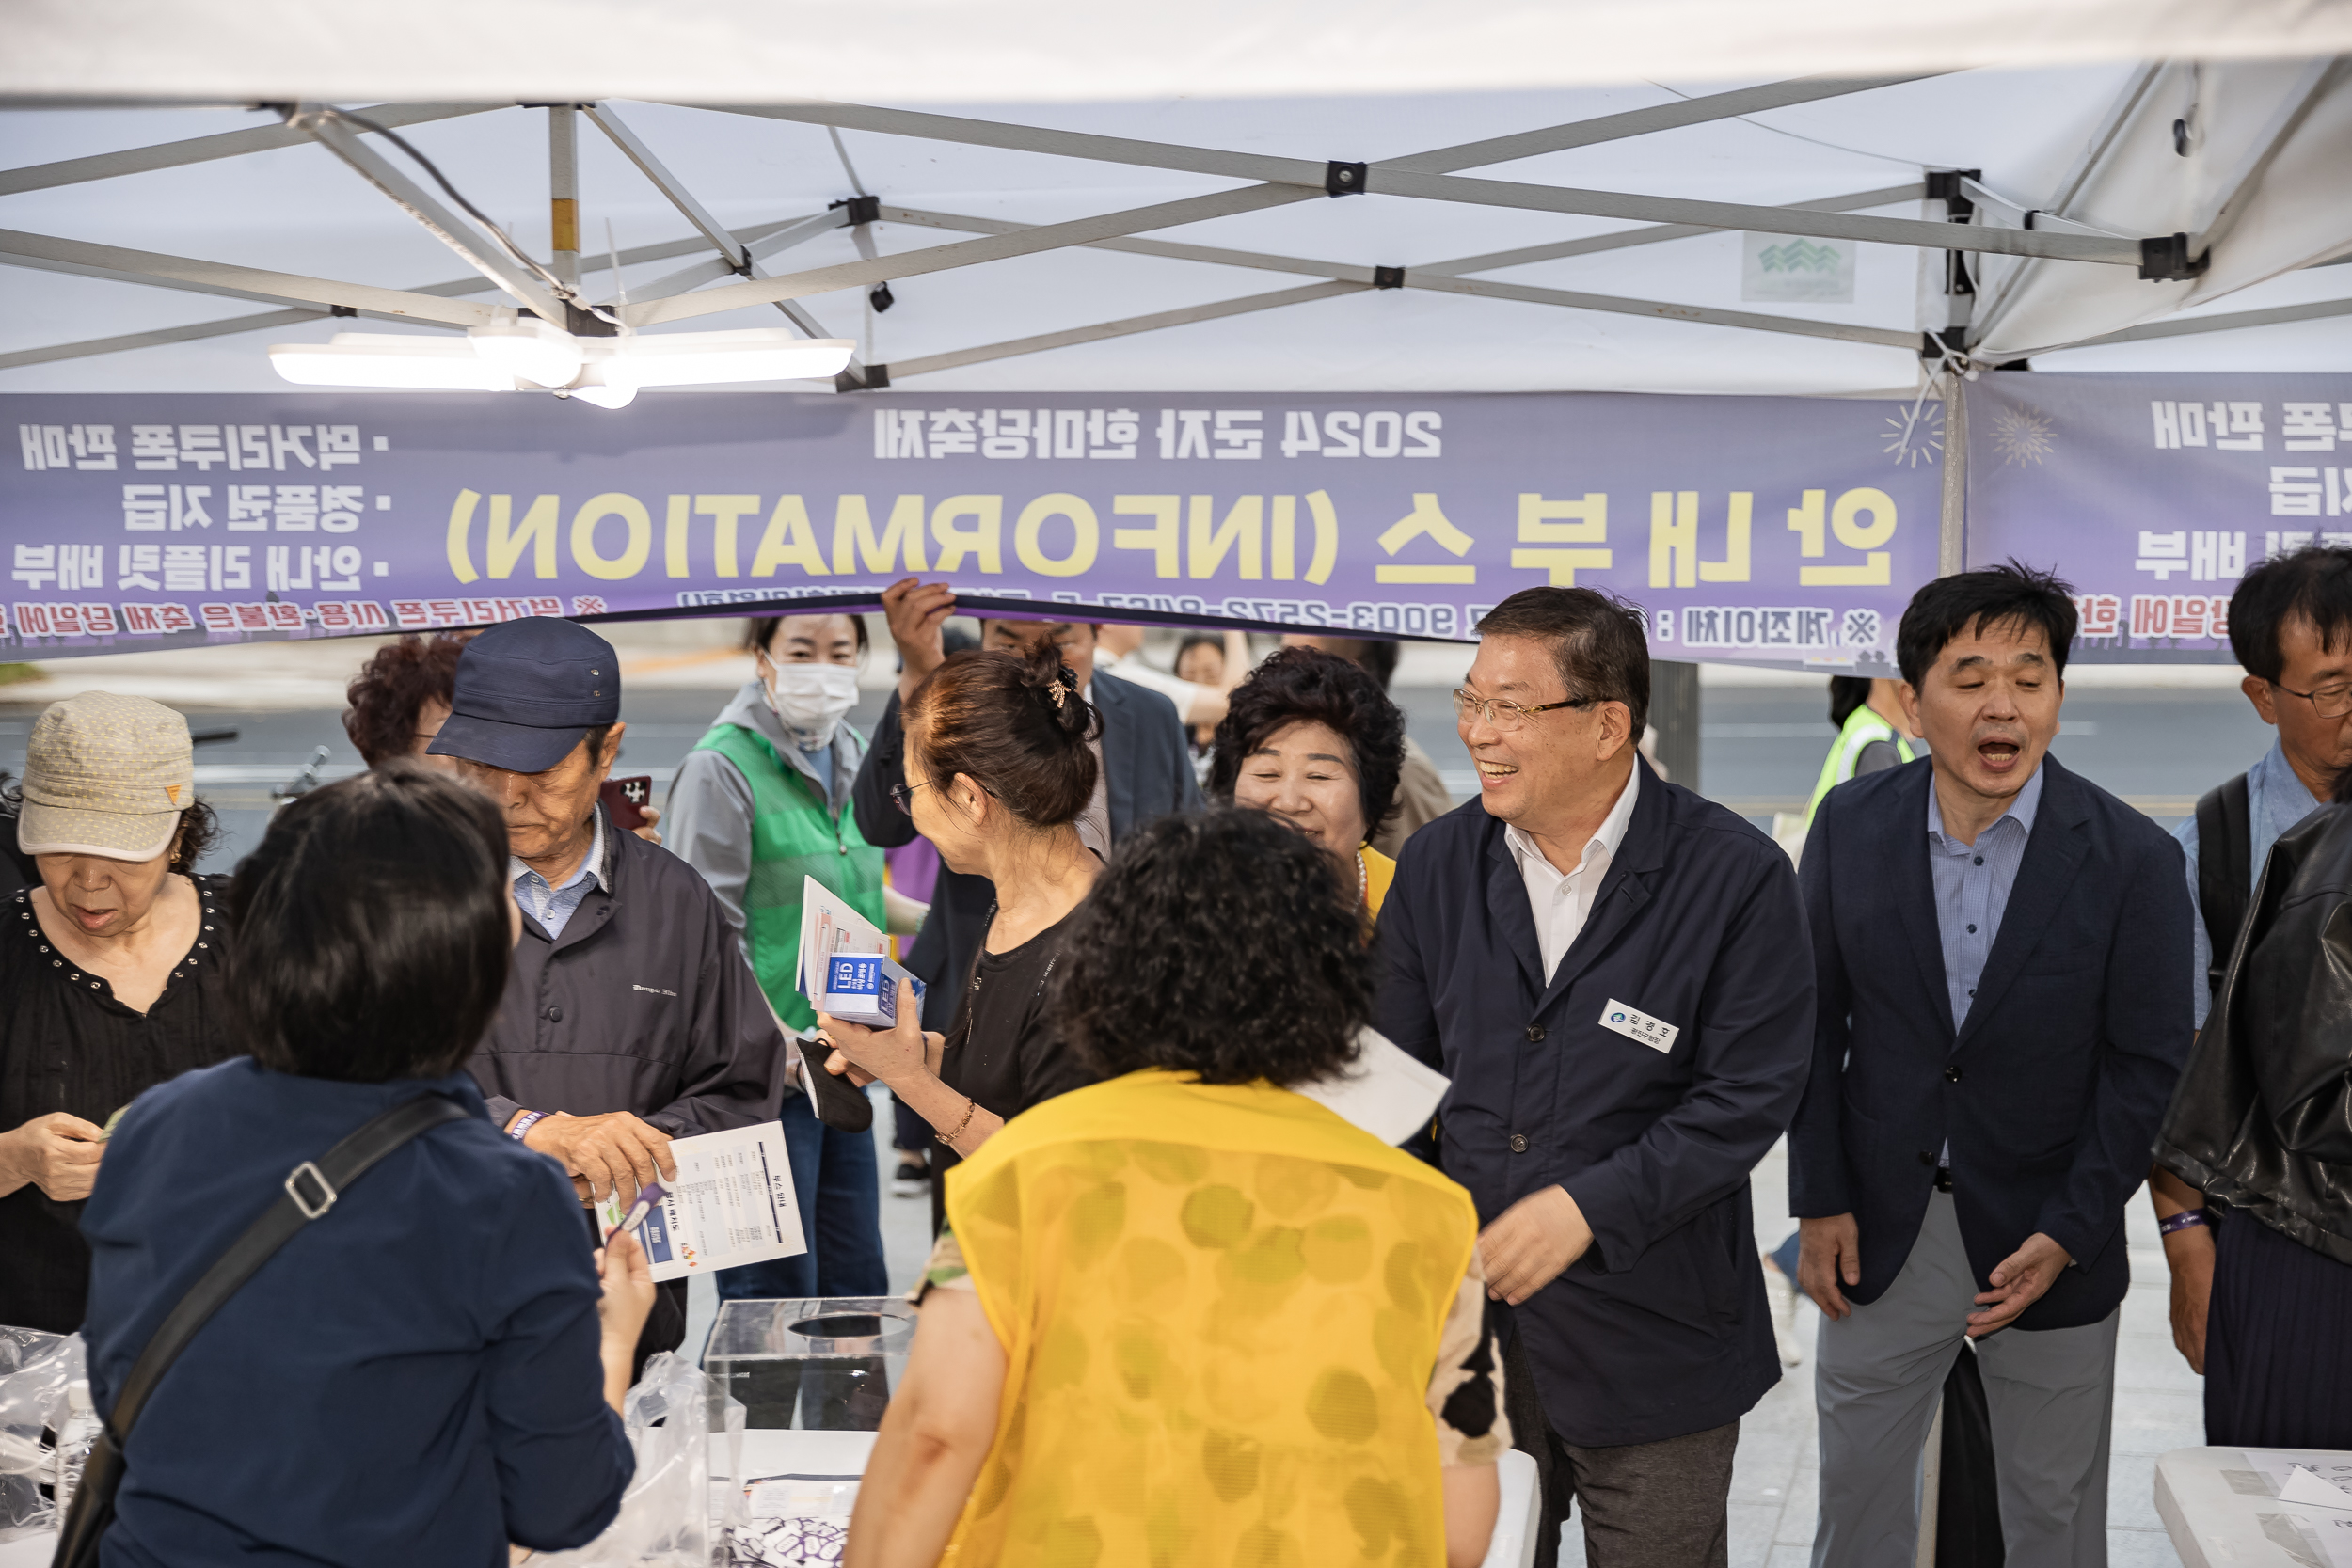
(811, 699)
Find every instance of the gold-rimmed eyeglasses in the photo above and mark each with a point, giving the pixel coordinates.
(1502, 714)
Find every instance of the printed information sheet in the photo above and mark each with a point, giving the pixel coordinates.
(732, 1203)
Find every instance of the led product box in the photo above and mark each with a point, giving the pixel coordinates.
(863, 987)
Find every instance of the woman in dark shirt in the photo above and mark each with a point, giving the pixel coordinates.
(110, 969)
(1000, 765)
(434, 1367)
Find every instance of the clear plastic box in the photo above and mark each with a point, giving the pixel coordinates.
(826, 1365)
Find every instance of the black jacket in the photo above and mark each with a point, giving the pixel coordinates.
(2263, 1118)
(644, 1005)
(1661, 1329)
(1148, 773)
(2052, 1085)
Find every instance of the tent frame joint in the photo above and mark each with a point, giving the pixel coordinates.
(1387, 278)
(2166, 259)
(1341, 179)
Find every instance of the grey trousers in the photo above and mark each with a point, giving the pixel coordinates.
(1877, 1376)
(1645, 1505)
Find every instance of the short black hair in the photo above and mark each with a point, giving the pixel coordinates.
(1846, 694)
(1306, 684)
(1218, 943)
(1601, 643)
(372, 929)
(1951, 607)
(2313, 585)
(1198, 640)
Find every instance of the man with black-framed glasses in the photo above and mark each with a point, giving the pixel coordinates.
(2291, 630)
(1615, 976)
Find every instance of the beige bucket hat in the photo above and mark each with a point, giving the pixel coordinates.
(105, 775)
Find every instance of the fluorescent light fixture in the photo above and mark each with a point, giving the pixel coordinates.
(695, 358)
(523, 355)
(529, 349)
(386, 359)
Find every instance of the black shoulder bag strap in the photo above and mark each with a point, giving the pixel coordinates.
(2225, 870)
(311, 1189)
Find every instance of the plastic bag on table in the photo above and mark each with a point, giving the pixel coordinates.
(670, 1515)
(34, 1371)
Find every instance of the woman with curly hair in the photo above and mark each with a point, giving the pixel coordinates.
(110, 969)
(998, 769)
(1188, 1314)
(1313, 738)
(400, 696)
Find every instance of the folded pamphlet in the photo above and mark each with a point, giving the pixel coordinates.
(731, 1204)
(843, 970)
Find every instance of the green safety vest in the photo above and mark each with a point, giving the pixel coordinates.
(794, 834)
(1864, 727)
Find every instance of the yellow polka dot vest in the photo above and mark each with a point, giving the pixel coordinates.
(1220, 1306)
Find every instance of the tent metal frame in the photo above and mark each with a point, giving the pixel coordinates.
(730, 274)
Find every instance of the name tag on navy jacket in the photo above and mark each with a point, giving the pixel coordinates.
(1656, 1033)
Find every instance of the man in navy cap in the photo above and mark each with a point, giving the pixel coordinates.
(630, 1017)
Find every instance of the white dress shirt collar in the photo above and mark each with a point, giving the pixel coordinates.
(1562, 901)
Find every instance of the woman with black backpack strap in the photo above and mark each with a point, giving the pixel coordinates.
(411, 1357)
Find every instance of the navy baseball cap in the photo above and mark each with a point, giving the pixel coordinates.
(526, 692)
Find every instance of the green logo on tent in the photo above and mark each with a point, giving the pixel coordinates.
(1799, 256)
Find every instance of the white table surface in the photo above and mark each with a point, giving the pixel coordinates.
(771, 1452)
(2216, 1524)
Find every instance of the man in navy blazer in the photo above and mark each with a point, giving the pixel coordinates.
(2003, 956)
(1613, 972)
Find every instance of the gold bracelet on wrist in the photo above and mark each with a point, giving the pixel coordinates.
(970, 1108)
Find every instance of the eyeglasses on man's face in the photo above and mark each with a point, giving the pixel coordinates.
(1503, 715)
(2332, 701)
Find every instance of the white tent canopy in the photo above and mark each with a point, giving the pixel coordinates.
(1527, 235)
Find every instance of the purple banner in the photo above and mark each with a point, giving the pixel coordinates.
(1783, 530)
(2153, 493)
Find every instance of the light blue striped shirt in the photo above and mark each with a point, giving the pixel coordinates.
(1972, 887)
(552, 906)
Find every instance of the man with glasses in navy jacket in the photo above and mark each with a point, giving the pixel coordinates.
(1613, 972)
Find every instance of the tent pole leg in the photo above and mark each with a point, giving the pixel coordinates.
(1951, 533)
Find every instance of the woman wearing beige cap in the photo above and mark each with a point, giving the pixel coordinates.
(111, 969)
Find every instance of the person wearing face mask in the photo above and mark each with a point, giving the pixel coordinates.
(762, 800)
(110, 974)
(1311, 737)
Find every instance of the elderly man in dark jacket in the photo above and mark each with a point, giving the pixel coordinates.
(630, 1017)
(1614, 974)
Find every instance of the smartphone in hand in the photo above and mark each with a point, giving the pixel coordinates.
(625, 799)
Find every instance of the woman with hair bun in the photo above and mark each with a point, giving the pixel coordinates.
(998, 769)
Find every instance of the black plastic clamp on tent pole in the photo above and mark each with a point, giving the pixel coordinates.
(341, 310)
(1933, 346)
(1341, 179)
(861, 209)
(1944, 185)
(876, 378)
(2166, 260)
(1387, 278)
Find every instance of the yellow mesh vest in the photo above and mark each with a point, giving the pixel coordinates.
(1220, 1308)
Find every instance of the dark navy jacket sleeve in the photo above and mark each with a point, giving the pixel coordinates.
(1816, 1150)
(879, 818)
(1754, 1024)
(1402, 1008)
(561, 1458)
(2144, 1042)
